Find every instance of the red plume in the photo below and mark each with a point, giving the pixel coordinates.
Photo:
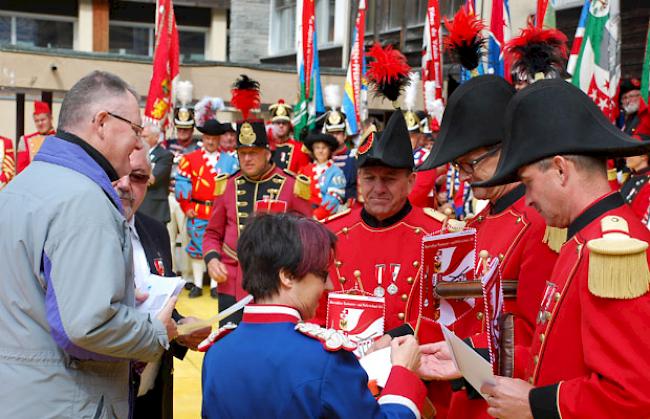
(537, 50)
(389, 72)
(245, 95)
(465, 40)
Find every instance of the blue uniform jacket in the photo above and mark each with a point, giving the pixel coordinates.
(266, 368)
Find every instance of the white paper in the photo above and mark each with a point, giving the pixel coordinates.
(476, 370)
(377, 365)
(160, 290)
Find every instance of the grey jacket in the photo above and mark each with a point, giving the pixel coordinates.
(67, 292)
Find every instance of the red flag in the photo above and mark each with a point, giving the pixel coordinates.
(165, 63)
(432, 51)
(308, 28)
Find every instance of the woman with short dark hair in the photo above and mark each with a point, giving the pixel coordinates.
(274, 365)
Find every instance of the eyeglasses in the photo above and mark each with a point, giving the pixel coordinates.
(137, 129)
(138, 178)
(468, 167)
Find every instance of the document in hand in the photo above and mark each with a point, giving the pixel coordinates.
(160, 290)
(377, 365)
(476, 370)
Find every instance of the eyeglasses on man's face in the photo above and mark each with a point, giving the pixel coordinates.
(137, 129)
(469, 166)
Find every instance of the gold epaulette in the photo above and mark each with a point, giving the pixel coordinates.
(301, 187)
(220, 183)
(618, 266)
(611, 174)
(554, 238)
(337, 215)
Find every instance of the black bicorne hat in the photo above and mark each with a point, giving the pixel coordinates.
(212, 127)
(252, 134)
(316, 137)
(472, 119)
(553, 117)
(390, 148)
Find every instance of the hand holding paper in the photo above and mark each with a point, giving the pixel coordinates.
(437, 362)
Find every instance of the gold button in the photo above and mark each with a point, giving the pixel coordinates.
(409, 279)
(479, 315)
(542, 336)
(276, 180)
(240, 181)
(416, 264)
(357, 273)
(536, 359)
(242, 203)
(338, 263)
(241, 192)
(518, 220)
(480, 218)
(547, 314)
(400, 316)
(344, 230)
(530, 380)
(557, 296)
(418, 230)
(242, 215)
(404, 297)
(501, 256)
(342, 280)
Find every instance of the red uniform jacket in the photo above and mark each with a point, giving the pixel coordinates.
(290, 155)
(32, 144)
(7, 164)
(590, 354)
(195, 167)
(636, 192)
(370, 254)
(235, 205)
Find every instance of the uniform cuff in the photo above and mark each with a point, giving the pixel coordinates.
(405, 388)
(402, 330)
(544, 402)
(212, 254)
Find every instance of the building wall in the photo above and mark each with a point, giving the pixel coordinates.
(249, 30)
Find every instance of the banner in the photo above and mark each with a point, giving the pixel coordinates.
(499, 34)
(598, 68)
(432, 53)
(645, 74)
(165, 65)
(311, 99)
(355, 88)
(577, 40)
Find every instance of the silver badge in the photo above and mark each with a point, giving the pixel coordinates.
(379, 292)
(392, 289)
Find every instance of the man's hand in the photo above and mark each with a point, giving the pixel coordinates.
(381, 343)
(140, 296)
(405, 352)
(437, 363)
(193, 339)
(508, 399)
(165, 316)
(217, 271)
(190, 213)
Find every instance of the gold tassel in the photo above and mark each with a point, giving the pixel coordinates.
(618, 265)
(220, 183)
(554, 237)
(301, 187)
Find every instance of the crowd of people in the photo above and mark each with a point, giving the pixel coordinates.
(533, 166)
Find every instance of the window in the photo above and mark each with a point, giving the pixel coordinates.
(138, 39)
(390, 14)
(283, 25)
(37, 31)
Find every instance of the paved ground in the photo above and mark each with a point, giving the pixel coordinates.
(187, 373)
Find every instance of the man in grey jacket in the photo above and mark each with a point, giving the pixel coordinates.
(66, 270)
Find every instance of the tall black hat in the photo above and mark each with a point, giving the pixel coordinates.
(391, 147)
(553, 117)
(629, 84)
(246, 97)
(212, 127)
(473, 118)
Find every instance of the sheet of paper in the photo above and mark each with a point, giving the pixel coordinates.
(187, 328)
(377, 365)
(160, 290)
(476, 370)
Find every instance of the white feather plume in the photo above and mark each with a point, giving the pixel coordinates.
(206, 109)
(183, 91)
(333, 96)
(435, 107)
(411, 91)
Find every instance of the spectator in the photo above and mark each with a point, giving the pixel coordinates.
(156, 203)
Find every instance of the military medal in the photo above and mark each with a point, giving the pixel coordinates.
(379, 291)
(392, 289)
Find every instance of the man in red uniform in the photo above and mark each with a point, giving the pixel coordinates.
(31, 143)
(636, 189)
(7, 164)
(287, 152)
(259, 186)
(586, 360)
